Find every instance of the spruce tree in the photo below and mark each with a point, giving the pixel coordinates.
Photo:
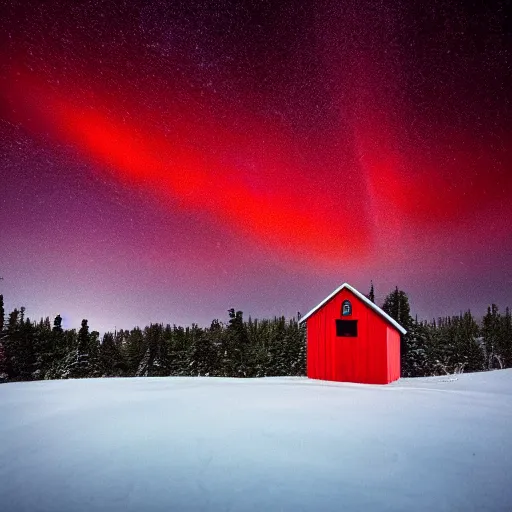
(57, 324)
(215, 335)
(294, 348)
(237, 343)
(490, 333)
(58, 349)
(506, 338)
(415, 360)
(11, 345)
(178, 340)
(94, 345)
(58, 346)
(2, 314)
(396, 305)
(4, 376)
(79, 363)
(155, 362)
(111, 360)
(448, 362)
(133, 350)
(203, 354)
(371, 295)
(470, 349)
(44, 353)
(19, 346)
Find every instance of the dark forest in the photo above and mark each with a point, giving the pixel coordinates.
(37, 350)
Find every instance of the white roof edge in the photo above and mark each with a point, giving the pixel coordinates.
(359, 295)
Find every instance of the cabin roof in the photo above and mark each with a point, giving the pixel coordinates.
(360, 296)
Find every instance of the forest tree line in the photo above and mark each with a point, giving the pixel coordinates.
(37, 350)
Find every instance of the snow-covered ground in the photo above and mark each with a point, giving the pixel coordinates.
(287, 444)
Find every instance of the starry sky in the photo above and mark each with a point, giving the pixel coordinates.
(165, 161)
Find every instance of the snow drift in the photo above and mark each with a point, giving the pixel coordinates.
(288, 444)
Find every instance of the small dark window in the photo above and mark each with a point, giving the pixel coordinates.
(346, 328)
(346, 308)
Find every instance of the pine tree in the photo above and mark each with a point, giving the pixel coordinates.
(415, 360)
(506, 338)
(2, 314)
(80, 363)
(178, 340)
(83, 337)
(471, 355)
(396, 305)
(452, 359)
(19, 346)
(57, 324)
(501, 339)
(295, 348)
(155, 362)
(78, 366)
(458, 346)
(111, 360)
(11, 345)
(203, 354)
(4, 375)
(237, 343)
(94, 345)
(133, 350)
(490, 333)
(215, 335)
(436, 350)
(60, 346)
(371, 295)
(44, 353)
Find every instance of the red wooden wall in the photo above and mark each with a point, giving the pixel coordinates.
(393, 343)
(373, 357)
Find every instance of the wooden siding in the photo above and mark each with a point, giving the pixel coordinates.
(371, 357)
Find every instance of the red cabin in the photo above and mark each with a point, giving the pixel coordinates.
(350, 339)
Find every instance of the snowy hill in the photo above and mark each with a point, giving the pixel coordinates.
(288, 444)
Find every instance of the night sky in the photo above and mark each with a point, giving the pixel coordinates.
(165, 161)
